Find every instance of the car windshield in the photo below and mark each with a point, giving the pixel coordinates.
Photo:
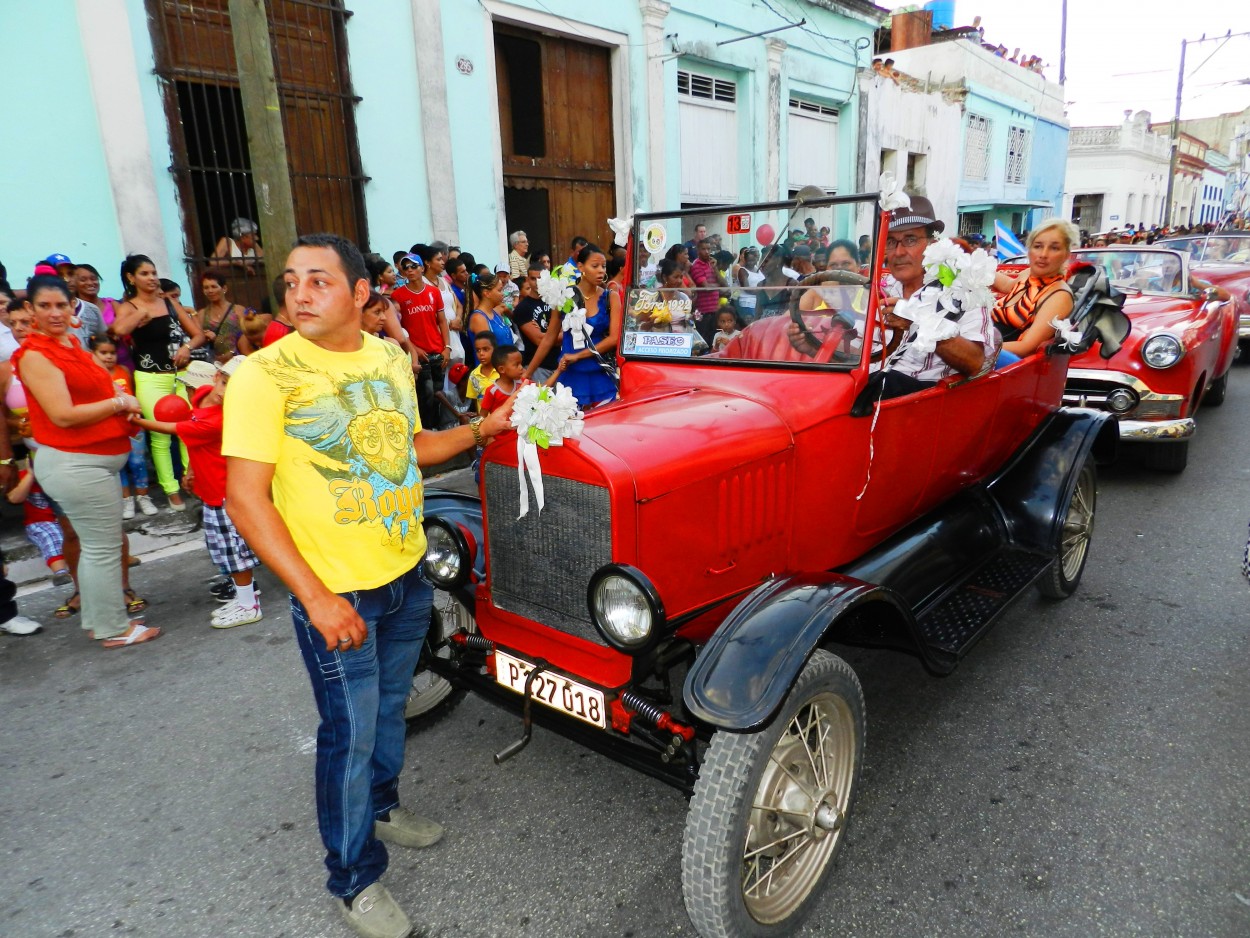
(1222, 247)
(722, 285)
(1153, 271)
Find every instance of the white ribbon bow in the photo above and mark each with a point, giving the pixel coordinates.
(575, 322)
(892, 194)
(621, 228)
(527, 460)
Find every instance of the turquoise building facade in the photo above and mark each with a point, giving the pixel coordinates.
(92, 174)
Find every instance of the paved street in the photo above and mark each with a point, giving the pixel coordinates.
(1083, 773)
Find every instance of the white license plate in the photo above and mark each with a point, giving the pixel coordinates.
(553, 690)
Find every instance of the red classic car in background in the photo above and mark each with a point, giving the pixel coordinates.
(1222, 258)
(1176, 358)
(713, 538)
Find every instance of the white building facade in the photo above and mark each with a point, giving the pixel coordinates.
(1116, 176)
(915, 134)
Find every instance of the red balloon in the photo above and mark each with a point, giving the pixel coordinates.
(171, 408)
(764, 234)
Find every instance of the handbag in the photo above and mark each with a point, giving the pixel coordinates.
(208, 351)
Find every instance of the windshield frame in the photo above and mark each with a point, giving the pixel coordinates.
(639, 256)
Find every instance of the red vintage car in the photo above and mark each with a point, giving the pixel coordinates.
(1176, 358)
(1222, 258)
(715, 535)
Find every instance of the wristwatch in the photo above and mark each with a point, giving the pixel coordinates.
(476, 426)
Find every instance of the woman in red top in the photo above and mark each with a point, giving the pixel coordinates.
(82, 426)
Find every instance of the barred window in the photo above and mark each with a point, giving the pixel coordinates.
(977, 148)
(1017, 154)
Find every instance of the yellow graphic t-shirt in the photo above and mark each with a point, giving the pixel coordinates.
(338, 429)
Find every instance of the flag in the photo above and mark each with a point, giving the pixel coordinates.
(1008, 244)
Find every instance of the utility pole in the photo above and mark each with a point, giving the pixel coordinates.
(1176, 124)
(266, 140)
(1063, 45)
(1176, 118)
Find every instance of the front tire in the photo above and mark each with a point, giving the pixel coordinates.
(1074, 536)
(1217, 391)
(1167, 457)
(769, 810)
(432, 696)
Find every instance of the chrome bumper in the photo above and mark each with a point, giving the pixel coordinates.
(1243, 327)
(1090, 387)
(1156, 431)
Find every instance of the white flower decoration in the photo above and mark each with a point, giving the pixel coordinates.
(542, 417)
(621, 228)
(892, 194)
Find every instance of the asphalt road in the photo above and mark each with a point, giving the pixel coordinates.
(1084, 772)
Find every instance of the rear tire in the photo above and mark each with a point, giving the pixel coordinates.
(1064, 575)
(769, 811)
(1167, 457)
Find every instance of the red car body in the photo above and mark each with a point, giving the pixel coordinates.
(1157, 404)
(756, 522)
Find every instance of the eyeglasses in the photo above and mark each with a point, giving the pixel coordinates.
(407, 266)
(909, 242)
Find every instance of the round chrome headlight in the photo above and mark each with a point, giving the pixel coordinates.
(624, 606)
(447, 560)
(1161, 351)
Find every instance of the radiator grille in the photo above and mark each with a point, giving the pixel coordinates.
(540, 565)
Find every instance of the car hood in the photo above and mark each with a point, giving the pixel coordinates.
(1179, 315)
(682, 437)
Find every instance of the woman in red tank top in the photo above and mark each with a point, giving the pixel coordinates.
(82, 426)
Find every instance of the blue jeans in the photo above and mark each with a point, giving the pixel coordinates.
(135, 472)
(361, 696)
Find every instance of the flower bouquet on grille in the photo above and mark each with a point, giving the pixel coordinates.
(543, 417)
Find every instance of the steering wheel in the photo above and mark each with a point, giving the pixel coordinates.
(845, 278)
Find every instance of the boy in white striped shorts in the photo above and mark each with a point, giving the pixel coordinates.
(202, 436)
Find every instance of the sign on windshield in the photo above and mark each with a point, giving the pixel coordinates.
(724, 285)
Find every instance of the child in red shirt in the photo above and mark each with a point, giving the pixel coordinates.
(202, 436)
(506, 360)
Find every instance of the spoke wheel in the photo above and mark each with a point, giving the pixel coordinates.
(432, 697)
(770, 808)
(1074, 537)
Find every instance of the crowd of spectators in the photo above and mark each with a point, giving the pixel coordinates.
(466, 326)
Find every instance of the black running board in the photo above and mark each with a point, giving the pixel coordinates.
(961, 616)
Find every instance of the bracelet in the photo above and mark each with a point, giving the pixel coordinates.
(118, 403)
(476, 426)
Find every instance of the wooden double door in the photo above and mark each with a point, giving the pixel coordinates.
(555, 115)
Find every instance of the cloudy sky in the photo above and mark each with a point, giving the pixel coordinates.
(1124, 54)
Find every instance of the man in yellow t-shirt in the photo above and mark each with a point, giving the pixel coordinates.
(324, 449)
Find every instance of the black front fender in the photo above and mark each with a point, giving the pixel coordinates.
(744, 672)
(1034, 490)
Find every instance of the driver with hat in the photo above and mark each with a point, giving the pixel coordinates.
(971, 351)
